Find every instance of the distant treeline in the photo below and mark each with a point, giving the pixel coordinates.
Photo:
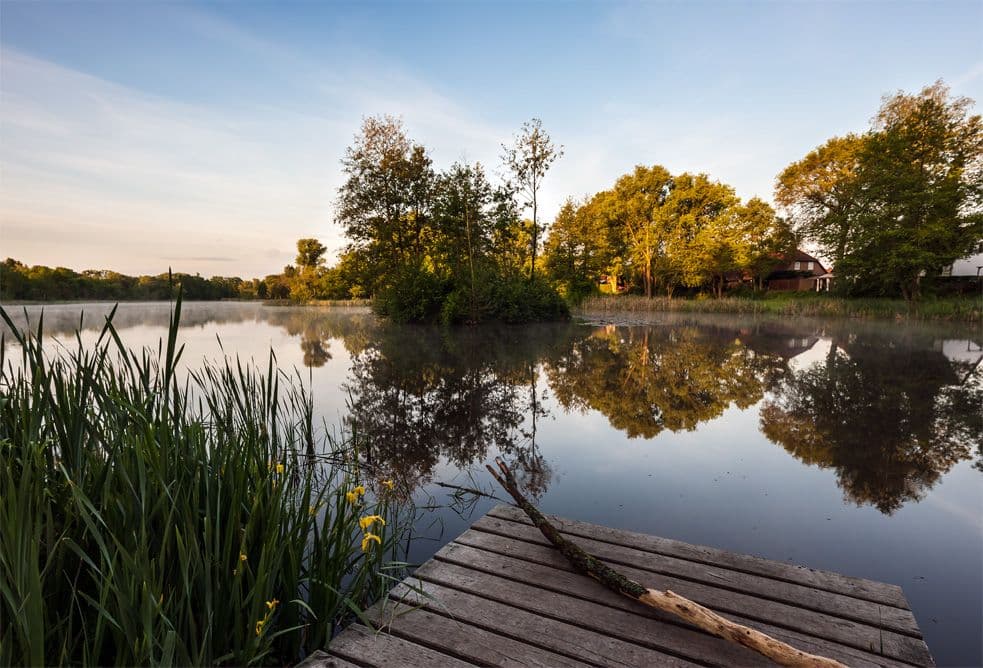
(39, 283)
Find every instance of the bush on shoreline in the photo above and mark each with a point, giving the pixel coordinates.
(417, 295)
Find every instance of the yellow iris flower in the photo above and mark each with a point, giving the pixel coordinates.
(369, 520)
(389, 484)
(270, 605)
(367, 541)
(354, 495)
(279, 468)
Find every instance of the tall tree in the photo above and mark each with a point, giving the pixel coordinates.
(921, 171)
(310, 253)
(700, 235)
(528, 159)
(639, 199)
(464, 219)
(385, 203)
(821, 195)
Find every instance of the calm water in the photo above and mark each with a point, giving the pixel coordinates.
(850, 446)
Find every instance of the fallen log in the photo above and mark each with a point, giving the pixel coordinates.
(666, 601)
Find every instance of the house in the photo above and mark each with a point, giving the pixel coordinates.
(799, 271)
(970, 266)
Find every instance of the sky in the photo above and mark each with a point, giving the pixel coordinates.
(208, 137)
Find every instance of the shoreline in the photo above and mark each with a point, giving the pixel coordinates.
(950, 309)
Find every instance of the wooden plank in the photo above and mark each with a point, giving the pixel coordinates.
(618, 616)
(820, 600)
(523, 558)
(461, 640)
(321, 659)
(360, 644)
(570, 640)
(878, 592)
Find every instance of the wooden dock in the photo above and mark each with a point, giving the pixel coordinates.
(501, 595)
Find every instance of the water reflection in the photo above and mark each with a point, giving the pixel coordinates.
(419, 395)
(646, 379)
(889, 415)
(889, 409)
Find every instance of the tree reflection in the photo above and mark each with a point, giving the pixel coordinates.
(419, 395)
(890, 417)
(649, 379)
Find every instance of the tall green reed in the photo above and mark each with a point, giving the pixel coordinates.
(150, 516)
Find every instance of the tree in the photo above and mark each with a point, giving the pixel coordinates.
(699, 238)
(898, 203)
(762, 239)
(528, 159)
(822, 196)
(921, 173)
(310, 253)
(577, 249)
(306, 284)
(384, 205)
(639, 200)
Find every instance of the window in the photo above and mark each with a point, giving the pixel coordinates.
(809, 266)
(798, 265)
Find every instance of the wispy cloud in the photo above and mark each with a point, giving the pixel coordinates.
(123, 174)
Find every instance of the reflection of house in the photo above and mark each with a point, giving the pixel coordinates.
(778, 343)
(799, 271)
(964, 356)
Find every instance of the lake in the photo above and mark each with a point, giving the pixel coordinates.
(853, 446)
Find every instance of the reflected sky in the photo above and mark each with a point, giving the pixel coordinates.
(846, 445)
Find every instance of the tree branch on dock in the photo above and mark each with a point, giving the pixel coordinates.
(666, 601)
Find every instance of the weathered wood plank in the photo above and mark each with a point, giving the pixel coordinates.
(461, 640)
(358, 643)
(524, 562)
(321, 659)
(618, 616)
(556, 636)
(878, 592)
(840, 605)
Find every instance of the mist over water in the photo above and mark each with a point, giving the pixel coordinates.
(854, 446)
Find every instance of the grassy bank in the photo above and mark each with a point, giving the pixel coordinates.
(319, 302)
(962, 309)
(153, 517)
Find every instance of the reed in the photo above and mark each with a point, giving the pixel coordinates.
(150, 515)
(963, 309)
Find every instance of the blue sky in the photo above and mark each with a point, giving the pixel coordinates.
(207, 137)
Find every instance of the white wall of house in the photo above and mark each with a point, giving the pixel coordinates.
(968, 266)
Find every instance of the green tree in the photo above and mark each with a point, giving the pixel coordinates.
(700, 230)
(528, 159)
(577, 249)
(385, 203)
(310, 254)
(639, 207)
(821, 194)
(761, 239)
(921, 172)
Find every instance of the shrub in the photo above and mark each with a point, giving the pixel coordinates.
(415, 294)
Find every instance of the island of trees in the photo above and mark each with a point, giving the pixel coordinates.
(892, 208)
